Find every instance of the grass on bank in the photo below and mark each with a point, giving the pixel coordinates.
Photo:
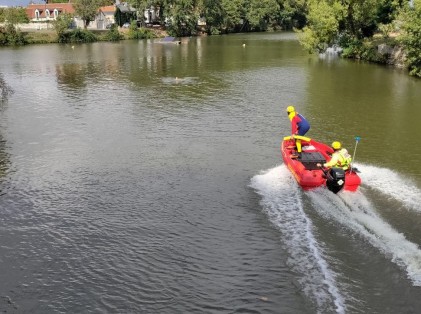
(17, 37)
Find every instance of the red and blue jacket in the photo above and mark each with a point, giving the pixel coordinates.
(299, 125)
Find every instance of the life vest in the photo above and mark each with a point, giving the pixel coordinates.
(299, 125)
(344, 159)
(303, 125)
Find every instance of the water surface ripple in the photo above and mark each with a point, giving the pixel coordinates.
(137, 177)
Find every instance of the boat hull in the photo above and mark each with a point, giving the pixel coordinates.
(304, 166)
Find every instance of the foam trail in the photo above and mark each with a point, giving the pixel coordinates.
(354, 211)
(392, 184)
(281, 199)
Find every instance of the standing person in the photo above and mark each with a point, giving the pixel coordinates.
(340, 158)
(299, 124)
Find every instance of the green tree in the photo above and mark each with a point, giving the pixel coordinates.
(261, 13)
(13, 15)
(2, 12)
(139, 33)
(113, 34)
(354, 20)
(88, 9)
(140, 6)
(62, 24)
(235, 14)
(411, 37)
(323, 25)
(293, 14)
(183, 16)
(213, 13)
(359, 17)
(10, 34)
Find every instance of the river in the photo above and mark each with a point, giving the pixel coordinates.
(141, 177)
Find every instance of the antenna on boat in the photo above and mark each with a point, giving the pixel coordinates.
(357, 139)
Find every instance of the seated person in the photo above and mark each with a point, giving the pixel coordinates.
(340, 158)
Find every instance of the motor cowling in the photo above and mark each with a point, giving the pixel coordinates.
(335, 179)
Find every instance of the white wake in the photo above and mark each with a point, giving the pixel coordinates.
(392, 184)
(282, 201)
(355, 211)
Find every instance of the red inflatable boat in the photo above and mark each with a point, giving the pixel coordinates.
(304, 166)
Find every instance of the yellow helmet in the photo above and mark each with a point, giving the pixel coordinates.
(290, 109)
(336, 145)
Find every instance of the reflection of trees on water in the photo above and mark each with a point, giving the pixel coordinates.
(5, 90)
(4, 158)
(71, 75)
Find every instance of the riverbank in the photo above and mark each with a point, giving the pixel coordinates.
(49, 36)
(379, 49)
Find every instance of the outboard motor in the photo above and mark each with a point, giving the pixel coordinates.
(335, 179)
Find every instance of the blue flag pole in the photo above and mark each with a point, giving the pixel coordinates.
(357, 139)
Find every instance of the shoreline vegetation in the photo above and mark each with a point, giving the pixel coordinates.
(78, 35)
(379, 31)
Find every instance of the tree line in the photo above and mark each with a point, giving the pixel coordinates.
(357, 26)
(226, 16)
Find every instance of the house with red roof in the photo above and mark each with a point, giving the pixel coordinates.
(105, 16)
(108, 13)
(46, 12)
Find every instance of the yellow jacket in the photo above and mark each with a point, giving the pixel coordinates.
(340, 159)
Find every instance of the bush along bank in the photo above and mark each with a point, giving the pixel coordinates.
(377, 50)
(386, 32)
(11, 36)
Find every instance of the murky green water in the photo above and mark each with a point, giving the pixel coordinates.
(140, 177)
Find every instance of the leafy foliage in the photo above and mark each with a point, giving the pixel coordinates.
(323, 26)
(10, 36)
(13, 15)
(262, 13)
(184, 15)
(87, 9)
(411, 37)
(78, 36)
(213, 14)
(62, 24)
(352, 24)
(293, 14)
(364, 50)
(224, 16)
(113, 34)
(139, 33)
(235, 14)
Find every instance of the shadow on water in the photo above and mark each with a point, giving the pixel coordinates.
(5, 89)
(4, 159)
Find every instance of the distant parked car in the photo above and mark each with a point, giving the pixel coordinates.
(126, 25)
(109, 26)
